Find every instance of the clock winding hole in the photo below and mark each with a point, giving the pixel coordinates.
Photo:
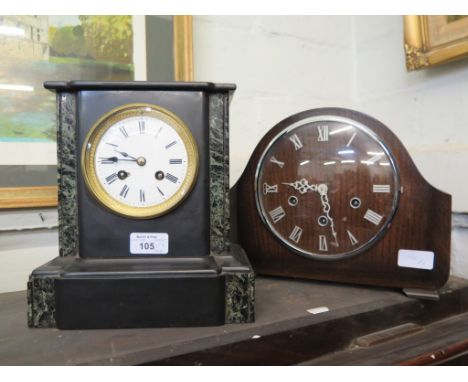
(159, 175)
(355, 202)
(292, 201)
(322, 221)
(122, 174)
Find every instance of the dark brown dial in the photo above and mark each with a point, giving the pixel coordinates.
(327, 187)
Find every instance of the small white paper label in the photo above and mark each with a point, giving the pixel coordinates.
(409, 258)
(319, 309)
(149, 243)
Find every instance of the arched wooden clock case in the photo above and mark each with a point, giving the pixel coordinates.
(347, 220)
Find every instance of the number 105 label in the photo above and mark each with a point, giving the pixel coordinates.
(149, 243)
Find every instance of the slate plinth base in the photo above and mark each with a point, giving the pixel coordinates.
(74, 293)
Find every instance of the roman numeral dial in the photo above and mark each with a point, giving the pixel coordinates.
(277, 214)
(325, 188)
(296, 234)
(296, 142)
(322, 133)
(141, 161)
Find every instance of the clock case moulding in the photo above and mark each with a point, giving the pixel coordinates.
(422, 222)
(84, 291)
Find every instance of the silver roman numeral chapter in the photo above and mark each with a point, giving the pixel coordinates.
(296, 141)
(323, 246)
(323, 133)
(351, 139)
(352, 239)
(267, 189)
(296, 234)
(276, 161)
(373, 217)
(277, 214)
(372, 160)
(381, 188)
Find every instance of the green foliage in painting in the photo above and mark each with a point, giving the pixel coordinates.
(101, 38)
(108, 38)
(67, 41)
(84, 47)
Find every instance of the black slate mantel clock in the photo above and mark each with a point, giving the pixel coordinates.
(144, 219)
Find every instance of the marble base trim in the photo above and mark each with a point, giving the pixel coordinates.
(240, 298)
(41, 302)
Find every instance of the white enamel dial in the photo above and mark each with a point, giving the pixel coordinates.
(140, 161)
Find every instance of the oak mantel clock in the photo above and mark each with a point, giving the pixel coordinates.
(143, 210)
(332, 194)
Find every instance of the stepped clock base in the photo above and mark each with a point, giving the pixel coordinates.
(75, 293)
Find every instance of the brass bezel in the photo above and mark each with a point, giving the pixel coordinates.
(89, 151)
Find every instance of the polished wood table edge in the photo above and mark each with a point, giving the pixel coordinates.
(436, 357)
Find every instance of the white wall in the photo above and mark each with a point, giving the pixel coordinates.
(281, 65)
(28, 239)
(23, 251)
(427, 109)
(286, 64)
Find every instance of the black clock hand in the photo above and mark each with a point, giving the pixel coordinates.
(115, 160)
(125, 154)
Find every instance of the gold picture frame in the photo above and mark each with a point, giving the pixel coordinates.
(46, 196)
(434, 40)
